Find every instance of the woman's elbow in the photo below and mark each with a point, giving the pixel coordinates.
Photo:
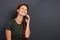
(28, 35)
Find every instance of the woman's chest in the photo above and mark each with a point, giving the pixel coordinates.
(17, 30)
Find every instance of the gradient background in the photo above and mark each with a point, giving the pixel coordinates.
(45, 18)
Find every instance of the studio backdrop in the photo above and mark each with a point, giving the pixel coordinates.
(45, 18)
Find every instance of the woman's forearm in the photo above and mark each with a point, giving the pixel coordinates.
(27, 33)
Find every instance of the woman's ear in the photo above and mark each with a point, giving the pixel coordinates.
(17, 10)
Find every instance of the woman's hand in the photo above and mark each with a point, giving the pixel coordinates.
(28, 20)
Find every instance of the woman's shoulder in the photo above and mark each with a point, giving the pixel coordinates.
(10, 24)
(11, 21)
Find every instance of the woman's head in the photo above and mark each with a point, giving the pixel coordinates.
(22, 9)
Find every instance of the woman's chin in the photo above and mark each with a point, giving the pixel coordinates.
(24, 15)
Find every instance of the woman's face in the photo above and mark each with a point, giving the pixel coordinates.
(22, 10)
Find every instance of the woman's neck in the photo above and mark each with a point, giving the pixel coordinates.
(19, 19)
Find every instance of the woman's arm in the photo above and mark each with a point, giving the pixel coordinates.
(8, 34)
(27, 32)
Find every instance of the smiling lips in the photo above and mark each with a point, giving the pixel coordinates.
(23, 12)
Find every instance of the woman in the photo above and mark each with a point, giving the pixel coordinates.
(18, 28)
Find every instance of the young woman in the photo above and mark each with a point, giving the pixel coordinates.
(18, 28)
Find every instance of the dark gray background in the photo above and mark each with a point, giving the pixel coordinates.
(45, 18)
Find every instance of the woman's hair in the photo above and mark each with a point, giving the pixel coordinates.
(23, 4)
(24, 22)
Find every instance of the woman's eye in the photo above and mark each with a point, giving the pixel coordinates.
(22, 8)
(25, 9)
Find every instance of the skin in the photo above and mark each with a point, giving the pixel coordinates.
(22, 11)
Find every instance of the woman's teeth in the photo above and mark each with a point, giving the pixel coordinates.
(22, 12)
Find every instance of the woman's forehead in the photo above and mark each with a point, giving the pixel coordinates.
(23, 6)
